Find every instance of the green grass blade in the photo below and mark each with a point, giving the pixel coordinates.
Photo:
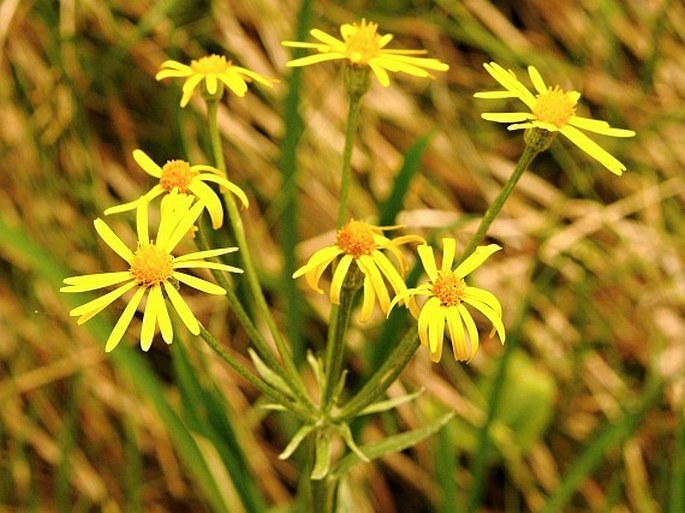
(205, 411)
(288, 165)
(388, 210)
(611, 435)
(677, 488)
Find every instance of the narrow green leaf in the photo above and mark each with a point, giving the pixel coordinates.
(296, 441)
(391, 403)
(388, 210)
(611, 435)
(322, 462)
(677, 488)
(207, 415)
(289, 207)
(268, 375)
(349, 440)
(317, 368)
(392, 444)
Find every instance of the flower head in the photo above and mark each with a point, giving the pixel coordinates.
(362, 46)
(448, 294)
(361, 245)
(552, 109)
(186, 179)
(153, 272)
(216, 71)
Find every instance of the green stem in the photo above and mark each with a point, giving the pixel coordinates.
(526, 158)
(350, 136)
(260, 385)
(323, 494)
(249, 268)
(335, 345)
(384, 377)
(252, 332)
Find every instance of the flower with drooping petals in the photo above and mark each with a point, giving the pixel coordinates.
(152, 272)
(552, 109)
(216, 71)
(448, 294)
(186, 179)
(362, 46)
(361, 245)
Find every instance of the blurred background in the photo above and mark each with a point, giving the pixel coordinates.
(584, 404)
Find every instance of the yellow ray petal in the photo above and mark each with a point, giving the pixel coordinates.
(88, 282)
(476, 259)
(112, 240)
(147, 164)
(182, 309)
(593, 149)
(428, 260)
(163, 315)
(123, 322)
(199, 284)
(95, 306)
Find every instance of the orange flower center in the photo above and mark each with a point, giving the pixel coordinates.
(151, 265)
(356, 238)
(177, 173)
(363, 43)
(555, 106)
(210, 64)
(449, 289)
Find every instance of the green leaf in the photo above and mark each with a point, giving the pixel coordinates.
(349, 440)
(317, 367)
(296, 441)
(392, 444)
(322, 463)
(388, 210)
(390, 403)
(268, 375)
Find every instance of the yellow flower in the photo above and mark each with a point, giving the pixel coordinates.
(216, 71)
(447, 293)
(180, 175)
(152, 271)
(551, 109)
(360, 244)
(361, 45)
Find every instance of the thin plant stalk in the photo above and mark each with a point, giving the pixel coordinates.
(250, 271)
(335, 345)
(323, 494)
(340, 315)
(526, 159)
(386, 374)
(251, 330)
(350, 137)
(260, 385)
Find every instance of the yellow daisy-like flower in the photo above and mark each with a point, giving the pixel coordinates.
(361, 244)
(361, 45)
(551, 109)
(448, 293)
(152, 272)
(216, 71)
(186, 179)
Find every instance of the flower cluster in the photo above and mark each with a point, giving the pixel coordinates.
(359, 246)
(154, 274)
(361, 257)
